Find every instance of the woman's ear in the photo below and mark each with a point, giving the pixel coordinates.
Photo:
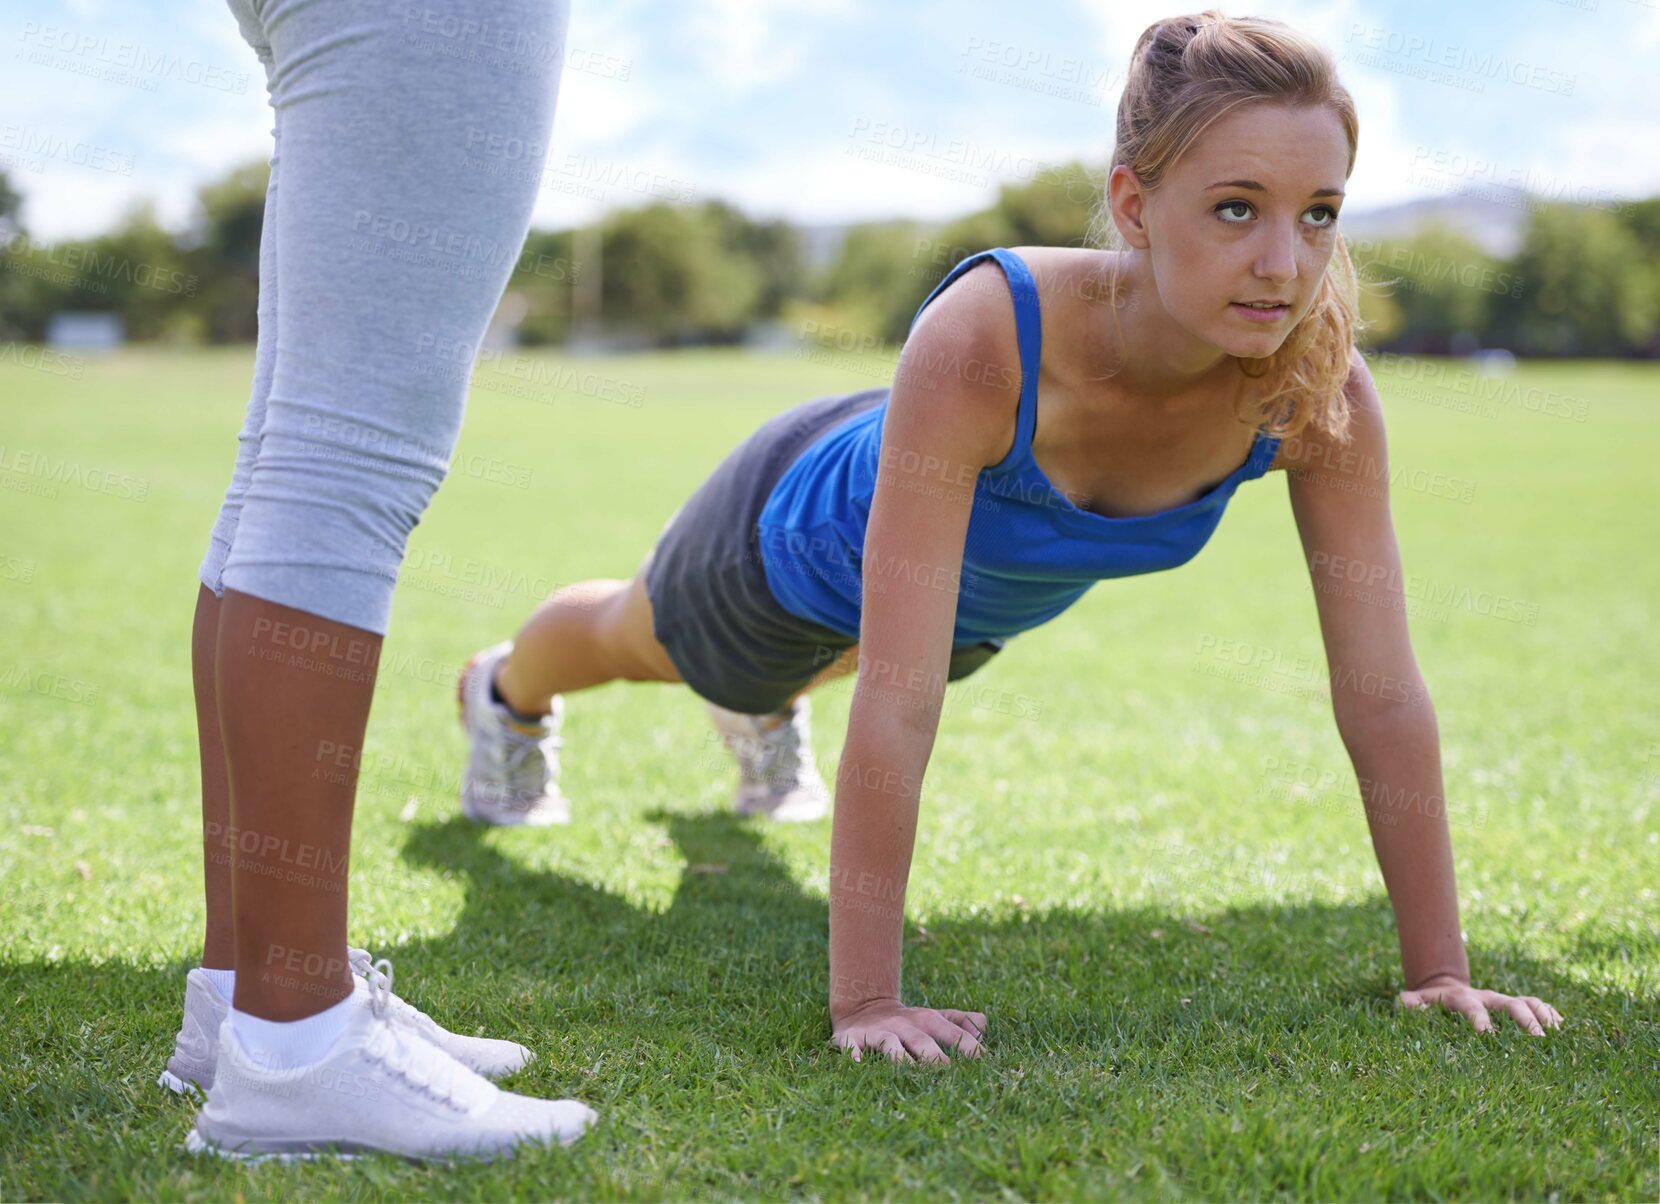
(1127, 201)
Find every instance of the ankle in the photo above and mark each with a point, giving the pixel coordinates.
(224, 981)
(290, 1044)
(522, 709)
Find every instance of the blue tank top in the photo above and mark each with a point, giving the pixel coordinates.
(1029, 552)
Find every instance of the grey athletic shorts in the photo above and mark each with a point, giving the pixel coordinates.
(732, 641)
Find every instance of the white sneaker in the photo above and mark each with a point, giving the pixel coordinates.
(379, 1088)
(777, 776)
(196, 1048)
(512, 773)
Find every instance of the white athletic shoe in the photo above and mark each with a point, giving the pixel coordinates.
(777, 776)
(196, 1048)
(380, 1087)
(512, 773)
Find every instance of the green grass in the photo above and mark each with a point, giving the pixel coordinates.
(1189, 974)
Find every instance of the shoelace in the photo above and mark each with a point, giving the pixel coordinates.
(421, 1065)
(527, 775)
(380, 984)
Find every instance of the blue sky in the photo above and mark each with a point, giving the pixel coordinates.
(795, 108)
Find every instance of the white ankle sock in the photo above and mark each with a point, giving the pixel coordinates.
(287, 1045)
(224, 981)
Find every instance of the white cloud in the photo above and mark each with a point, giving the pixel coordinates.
(746, 44)
(685, 118)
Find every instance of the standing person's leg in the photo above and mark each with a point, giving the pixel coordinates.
(398, 220)
(208, 990)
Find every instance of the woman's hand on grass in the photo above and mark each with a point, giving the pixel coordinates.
(909, 1034)
(1530, 1014)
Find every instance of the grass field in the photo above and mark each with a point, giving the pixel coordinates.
(1189, 964)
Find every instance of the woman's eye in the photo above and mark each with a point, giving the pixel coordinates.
(1331, 216)
(1225, 206)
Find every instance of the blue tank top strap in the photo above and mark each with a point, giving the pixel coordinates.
(1028, 327)
(1263, 451)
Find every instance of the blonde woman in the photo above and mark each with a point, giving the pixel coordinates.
(1059, 416)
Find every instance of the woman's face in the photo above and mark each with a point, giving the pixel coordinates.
(1248, 214)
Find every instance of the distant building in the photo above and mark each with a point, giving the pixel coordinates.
(85, 332)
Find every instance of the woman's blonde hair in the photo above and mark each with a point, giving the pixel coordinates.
(1186, 73)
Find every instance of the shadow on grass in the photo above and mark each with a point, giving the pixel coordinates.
(720, 998)
(741, 940)
(742, 950)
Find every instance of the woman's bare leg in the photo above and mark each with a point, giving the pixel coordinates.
(599, 631)
(585, 635)
(219, 937)
(293, 691)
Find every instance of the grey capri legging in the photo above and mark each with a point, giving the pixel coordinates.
(410, 138)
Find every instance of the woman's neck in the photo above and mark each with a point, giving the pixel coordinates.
(1162, 363)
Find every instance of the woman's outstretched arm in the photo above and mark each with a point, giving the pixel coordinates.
(1340, 497)
(940, 429)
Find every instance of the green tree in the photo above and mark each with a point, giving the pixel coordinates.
(880, 274)
(1589, 287)
(886, 270)
(772, 247)
(670, 273)
(1443, 289)
(11, 209)
(24, 297)
(543, 277)
(222, 246)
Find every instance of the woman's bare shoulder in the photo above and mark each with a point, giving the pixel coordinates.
(1070, 273)
(961, 367)
(1075, 287)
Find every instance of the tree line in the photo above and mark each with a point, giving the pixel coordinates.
(1584, 281)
